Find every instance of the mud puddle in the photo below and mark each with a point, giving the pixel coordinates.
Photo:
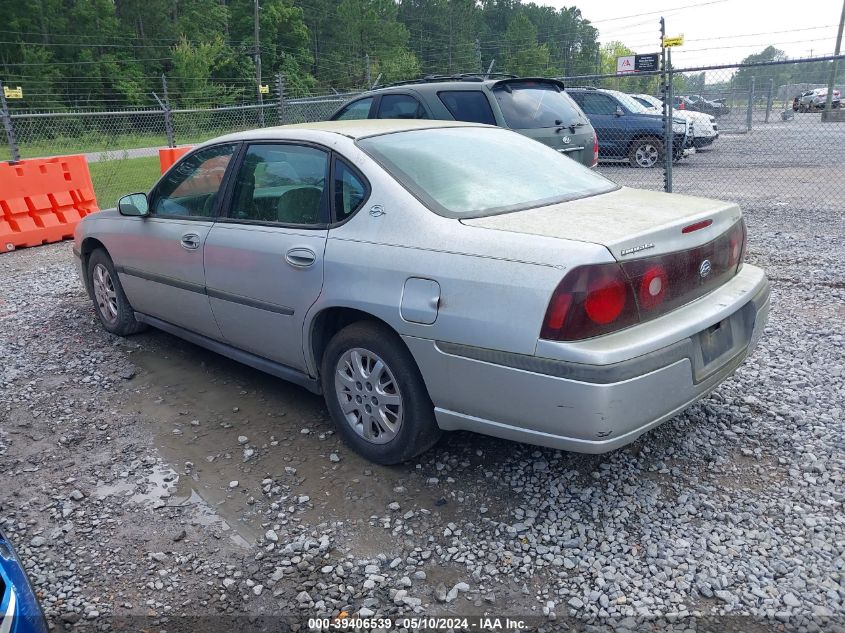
(229, 430)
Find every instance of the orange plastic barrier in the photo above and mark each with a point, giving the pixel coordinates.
(42, 200)
(169, 155)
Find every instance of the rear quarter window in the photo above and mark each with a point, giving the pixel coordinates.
(468, 105)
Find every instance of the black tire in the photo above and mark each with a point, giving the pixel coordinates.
(418, 430)
(122, 323)
(643, 144)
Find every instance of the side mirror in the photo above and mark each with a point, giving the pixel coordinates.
(619, 111)
(134, 205)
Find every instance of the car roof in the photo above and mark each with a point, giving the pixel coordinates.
(354, 129)
(468, 83)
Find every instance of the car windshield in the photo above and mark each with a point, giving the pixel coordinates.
(467, 172)
(630, 103)
(536, 104)
(650, 102)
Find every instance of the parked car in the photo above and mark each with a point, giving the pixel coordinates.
(700, 104)
(538, 108)
(815, 99)
(704, 129)
(627, 130)
(19, 608)
(428, 276)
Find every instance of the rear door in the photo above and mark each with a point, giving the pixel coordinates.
(400, 106)
(601, 110)
(264, 261)
(160, 257)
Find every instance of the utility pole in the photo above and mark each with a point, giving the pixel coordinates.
(478, 55)
(258, 66)
(829, 101)
(367, 68)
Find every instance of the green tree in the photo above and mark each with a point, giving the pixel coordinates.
(523, 55)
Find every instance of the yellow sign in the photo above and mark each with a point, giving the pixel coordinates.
(13, 93)
(673, 41)
(265, 90)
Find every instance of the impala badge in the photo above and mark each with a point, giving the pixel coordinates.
(705, 268)
(566, 140)
(377, 210)
(637, 249)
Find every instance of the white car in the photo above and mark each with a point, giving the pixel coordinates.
(703, 127)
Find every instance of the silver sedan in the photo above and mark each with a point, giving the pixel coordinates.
(428, 276)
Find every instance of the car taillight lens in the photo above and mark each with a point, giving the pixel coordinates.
(603, 298)
(595, 149)
(682, 106)
(590, 300)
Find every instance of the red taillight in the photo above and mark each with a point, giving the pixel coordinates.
(682, 106)
(653, 287)
(595, 150)
(603, 298)
(590, 300)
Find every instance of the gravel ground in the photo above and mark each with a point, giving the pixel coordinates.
(149, 481)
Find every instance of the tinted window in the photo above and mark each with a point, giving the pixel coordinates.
(400, 107)
(191, 187)
(349, 191)
(534, 104)
(356, 110)
(474, 171)
(468, 105)
(281, 183)
(595, 103)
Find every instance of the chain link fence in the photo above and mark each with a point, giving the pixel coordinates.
(749, 133)
(754, 134)
(122, 145)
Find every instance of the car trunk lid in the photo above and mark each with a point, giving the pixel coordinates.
(630, 223)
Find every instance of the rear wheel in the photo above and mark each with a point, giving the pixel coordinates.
(645, 152)
(376, 395)
(110, 302)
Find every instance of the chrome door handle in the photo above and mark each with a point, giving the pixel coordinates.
(190, 241)
(300, 257)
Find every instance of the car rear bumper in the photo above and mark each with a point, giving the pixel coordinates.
(583, 407)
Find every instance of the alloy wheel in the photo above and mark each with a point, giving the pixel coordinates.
(368, 395)
(104, 293)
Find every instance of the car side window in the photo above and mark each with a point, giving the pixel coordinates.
(281, 183)
(400, 107)
(468, 105)
(593, 103)
(349, 191)
(356, 110)
(192, 187)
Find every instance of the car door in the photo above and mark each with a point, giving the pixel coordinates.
(264, 259)
(160, 258)
(356, 110)
(601, 110)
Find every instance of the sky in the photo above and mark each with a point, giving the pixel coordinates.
(716, 31)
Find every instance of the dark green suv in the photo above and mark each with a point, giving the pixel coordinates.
(538, 108)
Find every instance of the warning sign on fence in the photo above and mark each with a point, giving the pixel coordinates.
(637, 63)
(13, 93)
(265, 89)
(673, 41)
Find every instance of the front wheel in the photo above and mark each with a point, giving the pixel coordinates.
(110, 302)
(376, 395)
(645, 153)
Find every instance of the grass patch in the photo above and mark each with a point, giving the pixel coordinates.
(115, 178)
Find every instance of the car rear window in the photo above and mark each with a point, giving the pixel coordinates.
(466, 172)
(535, 104)
(468, 105)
